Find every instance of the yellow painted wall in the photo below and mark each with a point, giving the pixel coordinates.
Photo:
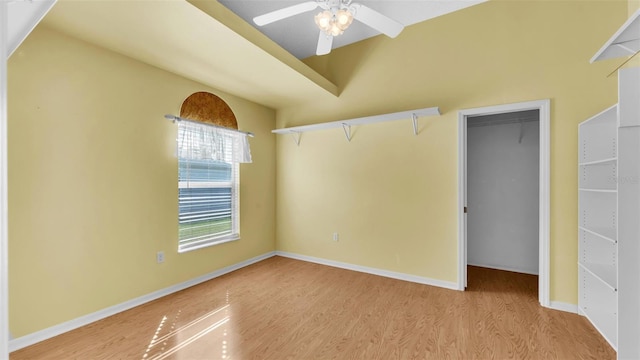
(93, 182)
(392, 195)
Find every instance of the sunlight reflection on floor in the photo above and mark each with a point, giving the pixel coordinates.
(173, 341)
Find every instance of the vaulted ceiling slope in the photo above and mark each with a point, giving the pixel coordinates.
(204, 41)
(200, 40)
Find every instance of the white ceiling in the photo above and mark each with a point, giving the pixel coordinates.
(299, 34)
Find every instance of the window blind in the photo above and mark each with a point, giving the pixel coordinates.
(208, 184)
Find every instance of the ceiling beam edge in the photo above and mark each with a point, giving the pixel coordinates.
(229, 19)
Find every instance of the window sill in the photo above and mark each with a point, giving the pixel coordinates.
(210, 243)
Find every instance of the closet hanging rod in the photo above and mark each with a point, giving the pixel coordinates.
(509, 121)
(174, 118)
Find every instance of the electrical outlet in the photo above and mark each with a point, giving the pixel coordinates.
(335, 236)
(160, 257)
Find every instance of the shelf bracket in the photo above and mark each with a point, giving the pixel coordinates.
(347, 131)
(625, 48)
(414, 119)
(296, 136)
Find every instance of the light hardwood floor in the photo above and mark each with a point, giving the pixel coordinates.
(287, 309)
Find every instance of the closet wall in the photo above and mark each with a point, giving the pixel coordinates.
(502, 185)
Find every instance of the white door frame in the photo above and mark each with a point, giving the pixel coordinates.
(4, 244)
(544, 107)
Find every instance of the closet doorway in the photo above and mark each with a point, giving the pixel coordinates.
(504, 190)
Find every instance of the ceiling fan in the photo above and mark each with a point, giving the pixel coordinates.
(334, 19)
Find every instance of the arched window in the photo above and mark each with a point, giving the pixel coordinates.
(208, 173)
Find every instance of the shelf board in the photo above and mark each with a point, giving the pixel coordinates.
(403, 115)
(608, 115)
(597, 162)
(595, 317)
(598, 190)
(625, 42)
(598, 235)
(601, 233)
(605, 273)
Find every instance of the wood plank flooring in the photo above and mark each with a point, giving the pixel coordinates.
(287, 309)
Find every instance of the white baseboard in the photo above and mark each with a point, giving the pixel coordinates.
(36, 337)
(505, 268)
(369, 270)
(27, 340)
(562, 306)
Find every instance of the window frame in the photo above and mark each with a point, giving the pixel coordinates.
(211, 239)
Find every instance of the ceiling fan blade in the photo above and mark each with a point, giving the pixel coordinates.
(324, 43)
(284, 13)
(379, 22)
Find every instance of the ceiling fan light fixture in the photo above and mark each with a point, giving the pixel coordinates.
(335, 31)
(344, 18)
(334, 23)
(323, 20)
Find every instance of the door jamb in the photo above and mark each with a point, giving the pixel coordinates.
(4, 244)
(544, 107)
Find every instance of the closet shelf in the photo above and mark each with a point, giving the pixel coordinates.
(625, 42)
(346, 124)
(597, 162)
(598, 235)
(604, 273)
(598, 190)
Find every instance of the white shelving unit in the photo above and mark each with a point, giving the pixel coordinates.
(629, 213)
(609, 218)
(609, 237)
(598, 222)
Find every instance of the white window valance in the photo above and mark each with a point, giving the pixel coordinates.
(199, 141)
